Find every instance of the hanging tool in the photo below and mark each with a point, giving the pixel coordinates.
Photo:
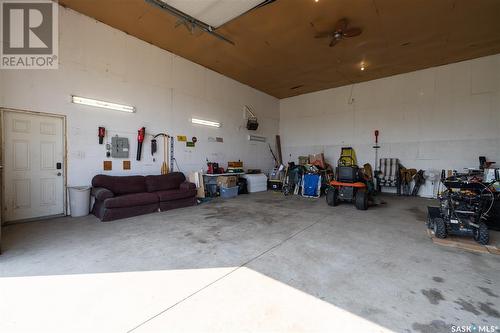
(101, 133)
(376, 147)
(172, 158)
(154, 146)
(164, 166)
(141, 133)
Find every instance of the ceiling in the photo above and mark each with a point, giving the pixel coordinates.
(213, 12)
(275, 50)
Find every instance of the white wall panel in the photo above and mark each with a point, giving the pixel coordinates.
(438, 118)
(100, 62)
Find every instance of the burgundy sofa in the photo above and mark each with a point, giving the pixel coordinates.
(117, 197)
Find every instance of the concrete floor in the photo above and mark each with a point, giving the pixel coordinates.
(260, 262)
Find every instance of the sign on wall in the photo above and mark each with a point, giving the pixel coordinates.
(29, 31)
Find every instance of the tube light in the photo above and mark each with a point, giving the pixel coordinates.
(205, 122)
(102, 104)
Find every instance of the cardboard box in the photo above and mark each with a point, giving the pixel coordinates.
(227, 181)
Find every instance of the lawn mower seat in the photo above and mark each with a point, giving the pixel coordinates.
(388, 174)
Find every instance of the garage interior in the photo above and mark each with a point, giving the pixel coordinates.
(256, 166)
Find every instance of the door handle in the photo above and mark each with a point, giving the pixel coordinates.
(59, 174)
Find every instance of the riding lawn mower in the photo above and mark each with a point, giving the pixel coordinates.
(350, 184)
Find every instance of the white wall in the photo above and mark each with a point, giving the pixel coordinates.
(433, 119)
(100, 62)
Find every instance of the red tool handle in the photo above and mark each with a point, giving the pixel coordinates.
(140, 139)
(101, 134)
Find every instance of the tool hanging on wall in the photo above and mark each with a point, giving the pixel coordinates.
(154, 146)
(164, 166)
(141, 133)
(101, 133)
(172, 158)
(376, 147)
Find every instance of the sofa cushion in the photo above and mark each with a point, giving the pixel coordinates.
(129, 200)
(120, 184)
(170, 181)
(185, 186)
(101, 193)
(170, 195)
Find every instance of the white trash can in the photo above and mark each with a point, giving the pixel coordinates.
(79, 200)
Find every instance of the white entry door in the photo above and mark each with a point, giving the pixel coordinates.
(33, 166)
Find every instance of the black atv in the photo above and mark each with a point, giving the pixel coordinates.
(463, 209)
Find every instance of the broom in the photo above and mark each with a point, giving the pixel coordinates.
(164, 166)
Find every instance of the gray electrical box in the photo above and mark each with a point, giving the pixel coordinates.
(119, 147)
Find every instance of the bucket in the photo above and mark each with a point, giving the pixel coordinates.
(79, 200)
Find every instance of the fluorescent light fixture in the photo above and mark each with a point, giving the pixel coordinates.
(256, 138)
(205, 122)
(102, 104)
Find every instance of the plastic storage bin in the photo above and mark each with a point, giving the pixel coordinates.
(79, 200)
(256, 182)
(212, 190)
(228, 192)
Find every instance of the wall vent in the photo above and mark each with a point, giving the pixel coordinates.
(257, 138)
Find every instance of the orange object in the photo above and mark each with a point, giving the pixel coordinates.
(107, 165)
(357, 184)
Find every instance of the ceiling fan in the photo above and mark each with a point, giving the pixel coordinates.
(341, 31)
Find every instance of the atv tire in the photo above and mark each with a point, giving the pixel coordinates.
(481, 234)
(332, 197)
(440, 228)
(361, 200)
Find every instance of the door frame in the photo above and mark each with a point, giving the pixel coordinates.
(65, 160)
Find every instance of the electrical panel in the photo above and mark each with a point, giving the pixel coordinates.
(119, 147)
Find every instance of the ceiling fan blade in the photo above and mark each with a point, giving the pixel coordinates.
(341, 24)
(323, 35)
(334, 42)
(352, 32)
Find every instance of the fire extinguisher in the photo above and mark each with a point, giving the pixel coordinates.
(140, 139)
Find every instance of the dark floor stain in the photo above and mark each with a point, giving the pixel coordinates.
(433, 295)
(438, 279)
(419, 214)
(202, 241)
(488, 291)
(187, 234)
(489, 310)
(237, 215)
(467, 306)
(435, 326)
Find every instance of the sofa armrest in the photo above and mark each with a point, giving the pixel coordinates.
(186, 186)
(101, 193)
